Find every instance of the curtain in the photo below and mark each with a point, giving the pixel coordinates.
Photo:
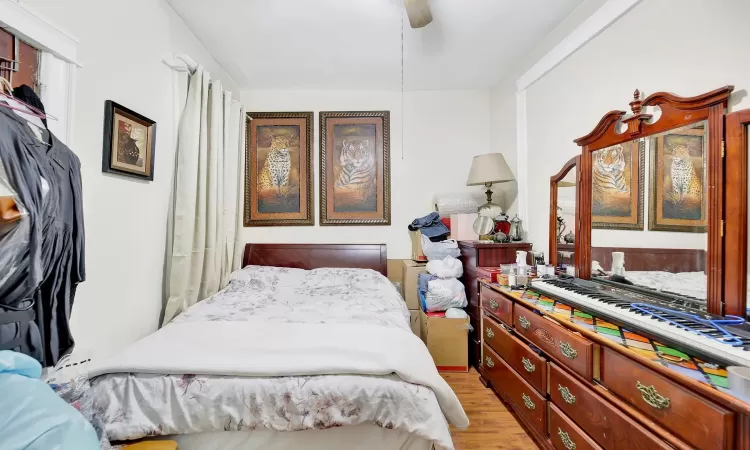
(205, 198)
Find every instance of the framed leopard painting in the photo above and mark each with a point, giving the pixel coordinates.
(678, 184)
(278, 169)
(355, 185)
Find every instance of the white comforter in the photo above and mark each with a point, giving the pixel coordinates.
(281, 349)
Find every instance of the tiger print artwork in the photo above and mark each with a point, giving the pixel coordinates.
(275, 172)
(686, 185)
(616, 190)
(357, 167)
(610, 179)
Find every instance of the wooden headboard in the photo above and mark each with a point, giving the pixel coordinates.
(315, 256)
(673, 260)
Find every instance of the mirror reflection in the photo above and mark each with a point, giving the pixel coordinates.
(649, 213)
(566, 219)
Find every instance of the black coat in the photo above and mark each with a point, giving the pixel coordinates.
(53, 264)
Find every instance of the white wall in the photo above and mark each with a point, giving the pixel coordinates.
(568, 101)
(503, 102)
(444, 130)
(121, 49)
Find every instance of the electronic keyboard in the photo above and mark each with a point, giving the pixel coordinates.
(710, 337)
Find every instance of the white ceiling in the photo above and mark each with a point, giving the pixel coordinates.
(356, 44)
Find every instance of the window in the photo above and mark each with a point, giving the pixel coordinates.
(19, 61)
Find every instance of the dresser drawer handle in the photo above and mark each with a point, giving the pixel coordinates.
(569, 444)
(493, 304)
(567, 350)
(652, 397)
(524, 322)
(490, 333)
(490, 363)
(566, 395)
(527, 401)
(528, 365)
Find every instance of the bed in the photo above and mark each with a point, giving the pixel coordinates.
(296, 352)
(676, 271)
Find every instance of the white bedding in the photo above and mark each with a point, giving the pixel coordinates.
(692, 284)
(221, 381)
(360, 437)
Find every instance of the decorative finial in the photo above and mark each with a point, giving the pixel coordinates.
(635, 105)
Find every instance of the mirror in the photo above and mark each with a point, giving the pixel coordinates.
(649, 212)
(563, 216)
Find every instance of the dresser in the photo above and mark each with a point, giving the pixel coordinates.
(477, 254)
(573, 388)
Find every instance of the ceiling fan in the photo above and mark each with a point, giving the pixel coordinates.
(418, 12)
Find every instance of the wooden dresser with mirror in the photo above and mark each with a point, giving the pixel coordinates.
(632, 352)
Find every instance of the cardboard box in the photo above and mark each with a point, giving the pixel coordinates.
(416, 246)
(462, 227)
(396, 273)
(447, 340)
(411, 271)
(416, 324)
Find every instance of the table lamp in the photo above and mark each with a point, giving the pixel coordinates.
(487, 170)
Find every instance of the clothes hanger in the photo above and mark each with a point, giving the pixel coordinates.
(5, 86)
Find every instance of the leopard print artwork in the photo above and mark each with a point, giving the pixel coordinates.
(275, 172)
(686, 185)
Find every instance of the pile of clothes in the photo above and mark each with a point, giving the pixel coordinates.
(431, 226)
(439, 288)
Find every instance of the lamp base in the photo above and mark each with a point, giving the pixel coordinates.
(489, 209)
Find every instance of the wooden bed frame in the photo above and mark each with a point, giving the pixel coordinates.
(315, 256)
(645, 259)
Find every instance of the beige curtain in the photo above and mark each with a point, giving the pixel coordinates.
(205, 200)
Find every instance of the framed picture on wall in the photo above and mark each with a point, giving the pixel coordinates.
(278, 169)
(355, 184)
(129, 142)
(678, 180)
(617, 186)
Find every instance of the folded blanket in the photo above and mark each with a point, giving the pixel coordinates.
(259, 349)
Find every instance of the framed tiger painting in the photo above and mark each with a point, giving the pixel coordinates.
(278, 169)
(617, 186)
(355, 184)
(677, 191)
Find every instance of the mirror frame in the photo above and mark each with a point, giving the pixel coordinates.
(572, 163)
(735, 206)
(676, 112)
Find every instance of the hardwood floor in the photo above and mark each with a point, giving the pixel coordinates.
(492, 425)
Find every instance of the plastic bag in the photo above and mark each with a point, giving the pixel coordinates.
(14, 235)
(439, 250)
(447, 267)
(34, 417)
(443, 294)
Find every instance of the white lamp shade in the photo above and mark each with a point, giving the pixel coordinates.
(489, 168)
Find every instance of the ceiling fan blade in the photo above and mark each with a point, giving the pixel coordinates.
(418, 12)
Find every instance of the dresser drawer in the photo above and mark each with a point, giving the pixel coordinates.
(561, 344)
(565, 435)
(698, 421)
(525, 398)
(532, 367)
(601, 420)
(497, 304)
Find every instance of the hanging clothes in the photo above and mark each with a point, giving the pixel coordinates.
(48, 276)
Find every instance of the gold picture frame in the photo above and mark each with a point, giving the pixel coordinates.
(355, 183)
(617, 186)
(278, 169)
(678, 180)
